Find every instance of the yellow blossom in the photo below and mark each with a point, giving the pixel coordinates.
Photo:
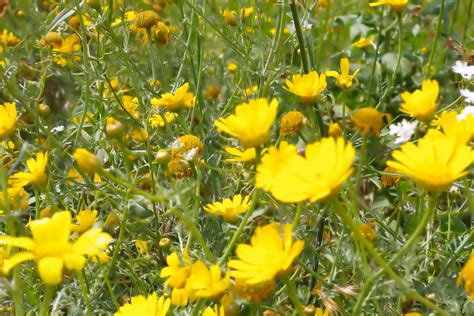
(291, 122)
(176, 274)
(85, 219)
(131, 104)
(460, 129)
(216, 311)
(246, 12)
(206, 282)
(87, 161)
(187, 147)
(161, 33)
(230, 17)
(229, 209)
(389, 180)
(467, 276)
(141, 306)
(270, 255)
(8, 38)
(435, 162)
(421, 104)
(335, 130)
(363, 42)
(318, 176)
(156, 120)
(142, 247)
(251, 122)
(367, 231)
(146, 19)
(37, 172)
(51, 249)
(232, 67)
(18, 199)
(240, 156)
(343, 79)
(307, 87)
(396, 5)
(181, 99)
(73, 176)
(8, 117)
(368, 120)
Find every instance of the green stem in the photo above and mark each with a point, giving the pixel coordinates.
(198, 306)
(362, 160)
(429, 73)
(299, 35)
(468, 194)
(120, 239)
(48, 297)
(397, 65)
(386, 267)
(85, 292)
(296, 219)
(293, 295)
(194, 232)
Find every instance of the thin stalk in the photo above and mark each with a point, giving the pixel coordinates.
(85, 292)
(293, 295)
(429, 73)
(468, 194)
(296, 219)
(376, 57)
(299, 35)
(198, 306)
(48, 297)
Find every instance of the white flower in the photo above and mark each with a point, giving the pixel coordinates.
(468, 96)
(468, 110)
(58, 128)
(462, 68)
(304, 26)
(190, 154)
(454, 189)
(403, 130)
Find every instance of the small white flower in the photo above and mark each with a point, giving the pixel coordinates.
(454, 189)
(304, 26)
(403, 130)
(468, 96)
(58, 129)
(190, 154)
(468, 110)
(462, 68)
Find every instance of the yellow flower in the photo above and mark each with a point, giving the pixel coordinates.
(435, 162)
(241, 156)
(467, 275)
(230, 17)
(229, 209)
(396, 5)
(73, 176)
(131, 104)
(52, 40)
(156, 120)
(216, 311)
(213, 92)
(146, 19)
(37, 172)
(343, 80)
(176, 275)
(87, 161)
(8, 117)
(128, 17)
(368, 120)
(206, 282)
(85, 219)
(246, 12)
(389, 180)
(141, 306)
(188, 147)
(254, 293)
(460, 129)
(251, 122)
(421, 104)
(161, 33)
(291, 122)
(367, 231)
(181, 99)
(17, 197)
(178, 169)
(232, 67)
(291, 178)
(51, 249)
(335, 130)
(8, 38)
(270, 255)
(320, 312)
(363, 42)
(142, 247)
(307, 87)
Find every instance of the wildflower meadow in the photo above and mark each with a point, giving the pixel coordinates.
(209, 157)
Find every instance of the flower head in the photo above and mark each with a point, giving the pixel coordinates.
(435, 162)
(368, 120)
(421, 104)
(181, 99)
(87, 161)
(206, 282)
(403, 130)
(291, 122)
(251, 122)
(150, 306)
(85, 220)
(156, 120)
(17, 197)
(396, 5)
(229, 209)
(51, 248)
(363, 42)
(241, 156)
(318, 176)
(465, 70)
(176, 274)
(457, 126)
(343, 79)
(307, 87)
(467, 276)
(389, 180)
(37, 172)
(270, 255)
(142, 246)
(8, 117)
(8, 38)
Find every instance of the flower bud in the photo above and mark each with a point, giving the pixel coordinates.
(87, 161)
